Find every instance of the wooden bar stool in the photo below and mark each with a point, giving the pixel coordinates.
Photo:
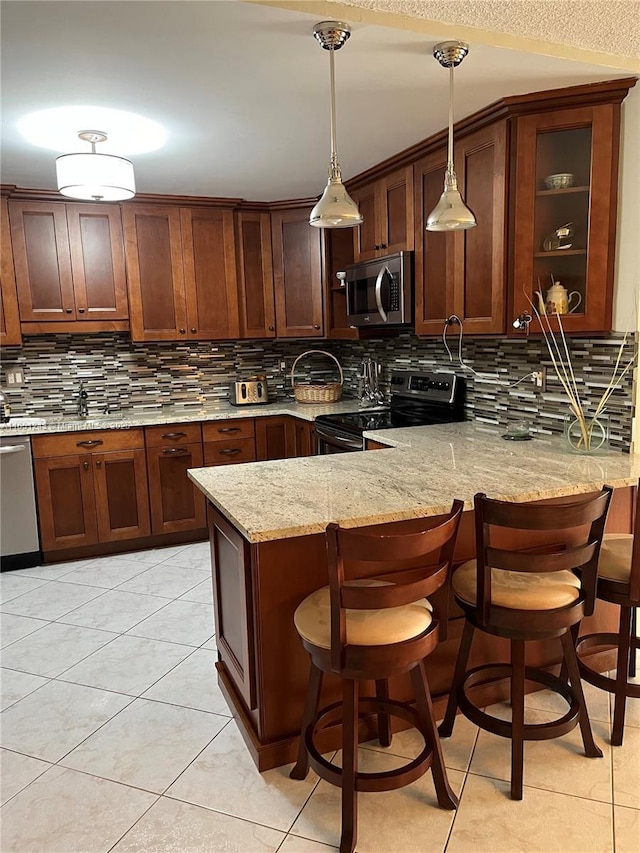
(528, 595)
(618, 582)
(370, 623)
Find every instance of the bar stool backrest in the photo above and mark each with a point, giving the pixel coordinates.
(574, 550)
(634, 578)
(402, 562)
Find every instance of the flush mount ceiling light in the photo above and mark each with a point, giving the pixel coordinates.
(93, 176)
(336, 208)
(450, 213)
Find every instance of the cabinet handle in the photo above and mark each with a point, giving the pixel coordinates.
(383, 246)
(316, 326)
(230, 451)
(272, 328)
(183, 331)
(80, 310)
(89, 443)
(193, 330)
(69, 310)
(229, 429)
(174, 450)
(98, 463)
(174, 434)
(85, 465)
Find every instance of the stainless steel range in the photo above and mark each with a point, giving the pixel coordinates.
(417, 399)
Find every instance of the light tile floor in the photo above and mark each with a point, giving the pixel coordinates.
(115, 737)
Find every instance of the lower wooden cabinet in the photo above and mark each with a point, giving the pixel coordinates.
(305, 438)
(89, 497)
(275, 438)
(176, 504)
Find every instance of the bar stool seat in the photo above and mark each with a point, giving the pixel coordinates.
(373, 622)
(517, 590)
(618, 583)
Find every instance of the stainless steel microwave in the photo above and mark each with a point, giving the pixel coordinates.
(380, 291)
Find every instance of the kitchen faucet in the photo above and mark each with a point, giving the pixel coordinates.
(368, 381)
(82, 402)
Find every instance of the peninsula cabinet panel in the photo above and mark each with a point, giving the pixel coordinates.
(297, 271)
(275, 438)
(434, 250)
(42, 262)
(97, 262)
(10, 334)
(66, 502)
(175, 502)
(153, 250)
(122, 496)
(255, 271)
(208, 246)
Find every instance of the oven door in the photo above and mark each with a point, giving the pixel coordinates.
(332, 441)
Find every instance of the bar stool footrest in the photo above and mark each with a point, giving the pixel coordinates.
(603, 682)
(488, 673)
(388, 780)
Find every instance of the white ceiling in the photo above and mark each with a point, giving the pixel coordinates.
(242, 90)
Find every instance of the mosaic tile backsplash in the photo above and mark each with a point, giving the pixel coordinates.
(123, 375)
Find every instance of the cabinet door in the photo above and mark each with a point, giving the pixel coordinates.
(583, 144)
(434, 257)
(42, 263)
(275, 438)
(255, 268)
(66, 502)
(297, 270)
(480, 279)
(97, 261)
(211, 287)
(365, 237)
(175, 502)
(122, 496)
(305, 441)
(395, 212)
(338, 243)
(153, 251)
(233, 605)
(9, 318)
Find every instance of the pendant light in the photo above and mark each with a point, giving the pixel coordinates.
(93, 176)
(450, 213)
(336, 208)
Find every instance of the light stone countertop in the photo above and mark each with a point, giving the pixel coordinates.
(421, 476)
(172, 414)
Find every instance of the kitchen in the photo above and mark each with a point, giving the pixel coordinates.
(160, 371)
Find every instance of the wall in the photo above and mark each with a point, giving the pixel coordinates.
(148, 376)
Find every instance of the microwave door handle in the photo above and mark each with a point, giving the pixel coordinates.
(378, 292)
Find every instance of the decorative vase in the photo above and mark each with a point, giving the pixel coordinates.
(590, 438)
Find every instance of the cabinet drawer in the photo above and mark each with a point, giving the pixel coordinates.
(98, 441)
(171, 434)
(231, 450)
(224, 430)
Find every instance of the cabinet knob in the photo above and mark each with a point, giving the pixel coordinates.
(316, 326)
(85, 465)
(272, 328)
(183, 331)
(383, 245)
(375, 246)
(80, 310)
(193, 330)
(69, 310)
(98, 463)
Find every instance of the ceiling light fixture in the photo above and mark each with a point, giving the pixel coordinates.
(95, 177)
(336, 208)
(450, 213)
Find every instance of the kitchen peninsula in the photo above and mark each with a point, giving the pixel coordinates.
(267, 525)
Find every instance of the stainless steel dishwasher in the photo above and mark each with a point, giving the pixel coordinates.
(19, 541)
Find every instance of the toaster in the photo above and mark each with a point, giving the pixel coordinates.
(249, 392)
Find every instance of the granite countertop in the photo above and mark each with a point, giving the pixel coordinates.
(171, 414)
(420, 476)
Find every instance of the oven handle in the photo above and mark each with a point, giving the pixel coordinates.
(338, 441)
(378, 293)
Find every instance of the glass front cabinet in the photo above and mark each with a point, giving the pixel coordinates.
(566, 177)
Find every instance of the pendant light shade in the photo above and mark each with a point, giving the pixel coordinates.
(93, 176)
(450, 213)
(336, 208)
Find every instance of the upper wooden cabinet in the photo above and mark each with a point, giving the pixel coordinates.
(255, 272)
(386, 206)
(582, 144)
(69, 262)
(182, 275)
(10, 334)
(463, 272)
(297, 273)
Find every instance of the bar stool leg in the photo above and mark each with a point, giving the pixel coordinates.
(622, 667)
(634, 644)
(301, 767)
(446, 798)
(446, 726)
(517, 718)
(349, 765)
(571, 661)
(384, 724)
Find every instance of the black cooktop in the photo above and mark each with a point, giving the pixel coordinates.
(355, 423)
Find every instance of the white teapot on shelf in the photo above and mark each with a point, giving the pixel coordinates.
(558, 301)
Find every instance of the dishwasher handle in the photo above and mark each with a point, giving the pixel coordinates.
(12, 448)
